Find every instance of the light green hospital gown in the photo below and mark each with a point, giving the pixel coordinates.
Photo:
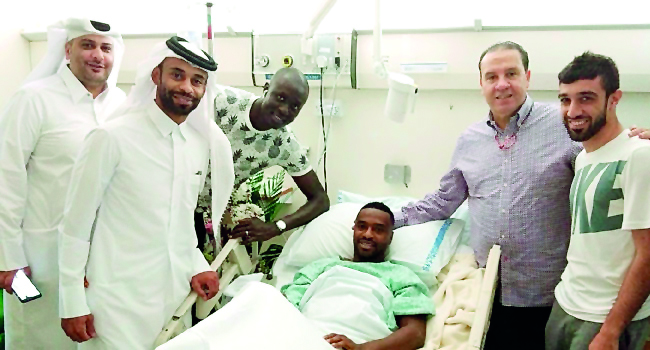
(410, 294)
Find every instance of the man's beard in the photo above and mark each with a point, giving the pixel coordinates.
(378, 254)
(167, 99)
(585, 134)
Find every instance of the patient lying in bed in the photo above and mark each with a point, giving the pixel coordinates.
(367, 301)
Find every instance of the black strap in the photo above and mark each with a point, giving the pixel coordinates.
(174, 44)
(102, 27)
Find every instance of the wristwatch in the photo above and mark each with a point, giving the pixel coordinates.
(281, 225)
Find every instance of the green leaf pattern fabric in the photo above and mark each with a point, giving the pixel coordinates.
(253, 150)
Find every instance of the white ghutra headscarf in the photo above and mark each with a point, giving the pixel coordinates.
(201, 118)
(60, 33)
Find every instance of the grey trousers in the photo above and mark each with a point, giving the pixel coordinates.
(565, 332)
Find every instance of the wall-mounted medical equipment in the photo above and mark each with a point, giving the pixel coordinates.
(262, 61)
(331, 55)
(287, 61)
(402, 89)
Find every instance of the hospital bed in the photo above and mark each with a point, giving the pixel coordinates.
(233, 261)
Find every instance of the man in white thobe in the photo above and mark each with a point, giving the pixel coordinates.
(69, 93)
(138, 178)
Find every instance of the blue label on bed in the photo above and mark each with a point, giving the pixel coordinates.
(436, 245)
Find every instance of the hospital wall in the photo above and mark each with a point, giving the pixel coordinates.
(362, 141)
(15, 61)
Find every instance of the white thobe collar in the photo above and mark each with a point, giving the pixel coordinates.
(77, 90)
(163, 123)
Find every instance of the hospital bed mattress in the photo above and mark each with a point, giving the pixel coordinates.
(480, 309)
(480, 303)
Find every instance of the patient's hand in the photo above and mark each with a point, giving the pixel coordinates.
(339, 341)
(255, 230)
(206, 284)
(80, 328)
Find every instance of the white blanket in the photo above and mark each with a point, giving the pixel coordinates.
(258, 318)
(348, 302)
(456, 301)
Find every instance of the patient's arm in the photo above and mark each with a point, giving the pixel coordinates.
(410, 336)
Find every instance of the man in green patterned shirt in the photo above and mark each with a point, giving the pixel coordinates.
(257, 128)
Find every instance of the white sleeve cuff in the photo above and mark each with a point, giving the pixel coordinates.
(12, 254)
(73, 256)
(72, 300)
(200, 264)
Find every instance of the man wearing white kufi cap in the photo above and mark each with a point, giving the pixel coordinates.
(138, 178)
(69, 93)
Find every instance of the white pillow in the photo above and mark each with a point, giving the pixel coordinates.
(394, 203)
(462, 213)
(424, 248)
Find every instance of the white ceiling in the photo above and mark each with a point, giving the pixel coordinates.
(293, 16)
